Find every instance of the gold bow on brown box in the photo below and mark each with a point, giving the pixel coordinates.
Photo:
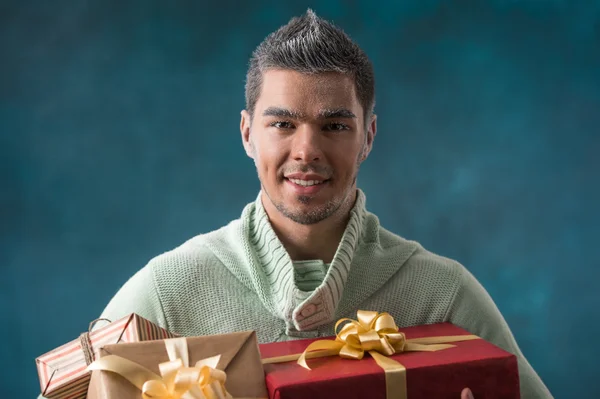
(239, 359)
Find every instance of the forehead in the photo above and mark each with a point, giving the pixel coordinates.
(307, 93)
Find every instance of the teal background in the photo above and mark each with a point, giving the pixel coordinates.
(120, 139)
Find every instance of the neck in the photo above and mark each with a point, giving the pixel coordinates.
(315, 241)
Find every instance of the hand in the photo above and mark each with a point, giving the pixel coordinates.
(466, 394)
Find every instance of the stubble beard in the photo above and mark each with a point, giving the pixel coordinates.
(314, 214)
(317, 214)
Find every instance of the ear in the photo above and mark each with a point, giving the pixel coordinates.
(245, 130)
(371, 132)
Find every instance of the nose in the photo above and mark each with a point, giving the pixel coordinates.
(307, 145)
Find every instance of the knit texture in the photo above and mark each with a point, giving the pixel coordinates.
(240, 277)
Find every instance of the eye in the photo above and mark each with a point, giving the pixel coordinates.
(281, 125)
(337, 127)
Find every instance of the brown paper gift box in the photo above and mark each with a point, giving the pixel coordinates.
(240, 359)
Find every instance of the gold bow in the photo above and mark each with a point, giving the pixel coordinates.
(177, 379)
(374, 332)
(377, 334)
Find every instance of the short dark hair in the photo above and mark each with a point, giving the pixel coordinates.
(309, 44)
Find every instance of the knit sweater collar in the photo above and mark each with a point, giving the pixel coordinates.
(273, 270)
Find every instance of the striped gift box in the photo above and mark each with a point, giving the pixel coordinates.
(63, 372)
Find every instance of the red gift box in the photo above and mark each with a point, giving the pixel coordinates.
(489, 371)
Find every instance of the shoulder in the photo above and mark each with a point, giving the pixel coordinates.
(421, 285)
(419, 258)
(404, 256)
(435, 273)
(420, 263)
(171, 276)
(195, 253)
(425, 259)
(144, 291)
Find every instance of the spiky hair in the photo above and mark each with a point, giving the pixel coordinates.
(311, 45)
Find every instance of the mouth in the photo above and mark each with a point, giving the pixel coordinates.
(306, 187)
(306, 183)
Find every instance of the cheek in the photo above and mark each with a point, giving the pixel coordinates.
(268, 158)
(347, 160)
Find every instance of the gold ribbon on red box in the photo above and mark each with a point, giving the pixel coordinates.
(377, 334)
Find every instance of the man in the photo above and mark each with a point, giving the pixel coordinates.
(307, 252)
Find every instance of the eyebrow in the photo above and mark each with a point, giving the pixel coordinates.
(336, 113)
(323, 114)
(283, 113)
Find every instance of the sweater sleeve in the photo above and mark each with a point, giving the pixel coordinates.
(474, 310)
(138, 295)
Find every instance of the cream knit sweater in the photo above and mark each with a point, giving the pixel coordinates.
(240, 277)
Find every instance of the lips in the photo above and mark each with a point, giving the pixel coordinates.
(306, 176)
(306, 183)
(306, 187)
(306, 180)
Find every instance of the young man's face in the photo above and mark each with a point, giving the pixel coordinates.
(307, 139)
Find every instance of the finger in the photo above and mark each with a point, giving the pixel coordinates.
(466, 394)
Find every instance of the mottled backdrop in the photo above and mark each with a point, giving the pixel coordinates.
(120, 139)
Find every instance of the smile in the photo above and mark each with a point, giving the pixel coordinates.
(306, 183)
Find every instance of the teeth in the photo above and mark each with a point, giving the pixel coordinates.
(306, 183)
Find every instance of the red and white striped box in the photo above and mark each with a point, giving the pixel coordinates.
(63, 372)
